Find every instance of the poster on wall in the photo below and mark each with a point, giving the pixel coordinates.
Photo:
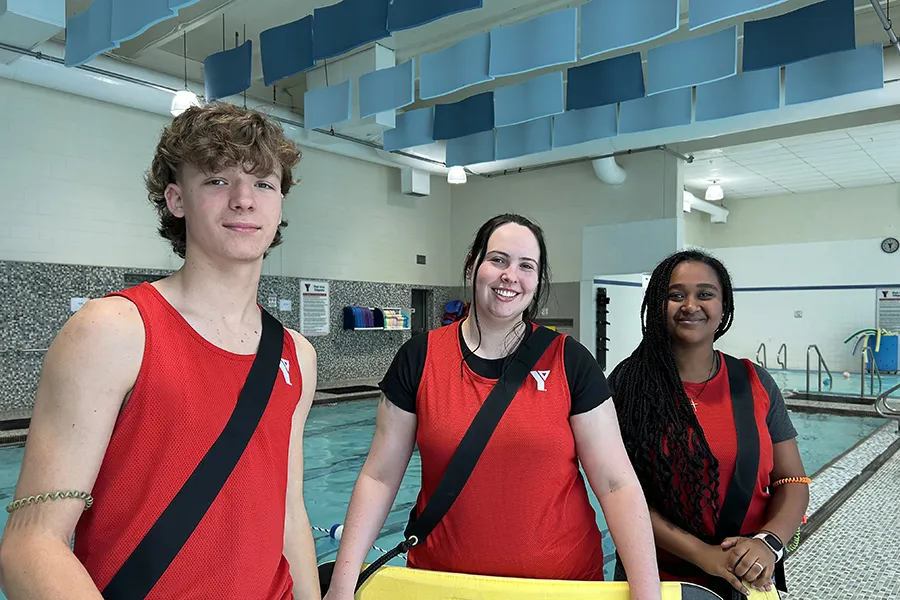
(314, 308)
(645, 281)
(887, 309)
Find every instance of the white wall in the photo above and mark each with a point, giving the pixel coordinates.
(563, 200)
(71, 191)
(830, 313)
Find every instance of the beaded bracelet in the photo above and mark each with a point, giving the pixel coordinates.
(17, 504)
(805, 480)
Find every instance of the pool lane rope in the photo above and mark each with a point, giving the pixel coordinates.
(337, 530)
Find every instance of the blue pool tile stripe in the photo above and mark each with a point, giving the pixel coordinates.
(89, 33)
(327, 106)
(130, 18)
(532, 99)
(580, 126)
(814, 30)
(228, 73)
(668, 109)
(287, 49)
(526, 138)
(605, 82)
(388, 89)
(413, 128)
(692, 62)
(407, 14)
(745, 93)
(707, 12)
(347, 25)
(834, 74)
(608, 25)
(466, 117)
(471, 149)
(462, 65)
(545, 41)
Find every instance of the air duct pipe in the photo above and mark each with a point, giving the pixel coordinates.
(876, 4)
(117, 82)
(609, 171)
(717, 214)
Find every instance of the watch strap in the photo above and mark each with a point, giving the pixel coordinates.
(779, 554)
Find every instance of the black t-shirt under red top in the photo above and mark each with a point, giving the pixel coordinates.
(524, 511)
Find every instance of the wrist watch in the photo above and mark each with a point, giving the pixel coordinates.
(773, 542)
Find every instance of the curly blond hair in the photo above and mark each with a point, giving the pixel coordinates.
(210, 138)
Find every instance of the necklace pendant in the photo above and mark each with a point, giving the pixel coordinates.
(694, 405)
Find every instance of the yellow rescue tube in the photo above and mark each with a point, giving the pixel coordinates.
(402, 583)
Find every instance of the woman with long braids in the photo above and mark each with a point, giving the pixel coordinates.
(524, 511)
(709, 437)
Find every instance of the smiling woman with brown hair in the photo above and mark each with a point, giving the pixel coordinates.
(709, 437)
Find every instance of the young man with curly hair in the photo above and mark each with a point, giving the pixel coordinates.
(143, 401)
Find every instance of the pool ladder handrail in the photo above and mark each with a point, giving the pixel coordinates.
(862, 373)
(762, 348)
(778, 356)
(821, 364)
(884, 408)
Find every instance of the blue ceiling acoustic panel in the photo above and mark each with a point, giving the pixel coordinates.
(179, 4)
(532, 99)
(810, 31)
(707, 12)
(605, 82)
(471, 149)
(545, 41)
(608, 25)
(287, 50)
(89, 33)
(580, 126)
(387, 89)
(130, 19)
(527, 138)
(347, 25)
(466, 117)
(407, 14)
(327, 106)
(668, 109)
(413, 128)
(834, 74)
(749, 92)
(462, 65)
(227, 73)
(692, 62)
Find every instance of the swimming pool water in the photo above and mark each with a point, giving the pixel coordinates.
(795, 380)
(337, 439)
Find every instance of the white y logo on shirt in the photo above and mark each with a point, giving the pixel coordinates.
(285, 367)
(541, 378)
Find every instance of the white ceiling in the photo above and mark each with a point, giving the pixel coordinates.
(857, 157)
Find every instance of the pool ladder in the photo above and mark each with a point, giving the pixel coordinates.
(821, 364)
(866, 351)
(778, 359)
(884, 407)
(764, 363)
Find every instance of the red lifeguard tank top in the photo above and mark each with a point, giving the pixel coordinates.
(184, 395)
(524, 512)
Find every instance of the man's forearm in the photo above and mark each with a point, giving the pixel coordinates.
(33, 568)
(300, 551)
(628, 518)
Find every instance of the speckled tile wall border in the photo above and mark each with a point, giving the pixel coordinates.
(35, 303)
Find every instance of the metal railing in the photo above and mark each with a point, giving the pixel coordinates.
(866, 351)
(778, 357)
(819, 369)
(884, 408)
(762, 348)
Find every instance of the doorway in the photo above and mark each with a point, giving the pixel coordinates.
(420, 317)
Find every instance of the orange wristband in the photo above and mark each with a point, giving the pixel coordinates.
(779, 482)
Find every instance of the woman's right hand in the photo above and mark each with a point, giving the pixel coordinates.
(714, 560)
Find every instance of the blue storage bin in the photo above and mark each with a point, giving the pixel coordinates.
(888, 355)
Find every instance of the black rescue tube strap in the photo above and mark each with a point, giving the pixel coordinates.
(156, 551)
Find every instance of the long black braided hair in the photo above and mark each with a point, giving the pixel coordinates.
(661, 433)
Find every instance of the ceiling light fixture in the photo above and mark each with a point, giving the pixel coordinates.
(184, 99)
(715, 192)
(456, 175)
